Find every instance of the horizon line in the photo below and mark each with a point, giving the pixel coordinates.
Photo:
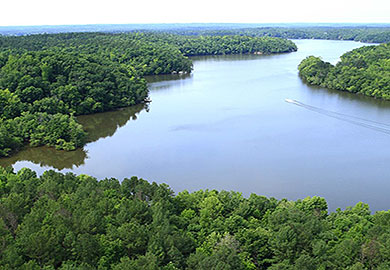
(204, 23)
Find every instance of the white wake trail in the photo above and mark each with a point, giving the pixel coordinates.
(367, 123)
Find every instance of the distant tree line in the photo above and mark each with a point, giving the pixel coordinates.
(47, 80)
(365, 71)
(64, 221)
(358, 33)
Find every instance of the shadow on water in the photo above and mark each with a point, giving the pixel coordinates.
(47, 156)
(344, 95)
(167, 77)
(98, 126)
(102, 125)
(164, 82)
(234, 57)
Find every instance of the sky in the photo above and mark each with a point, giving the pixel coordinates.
(64, 12)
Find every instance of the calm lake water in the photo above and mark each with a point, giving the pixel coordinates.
(227, 126)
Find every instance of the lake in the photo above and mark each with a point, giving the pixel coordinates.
(228, 126)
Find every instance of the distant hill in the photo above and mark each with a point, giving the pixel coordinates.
(113, 28)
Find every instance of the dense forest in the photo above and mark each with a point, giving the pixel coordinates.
(365, 71)
(362, 34)
(64, 221)
(47, 80)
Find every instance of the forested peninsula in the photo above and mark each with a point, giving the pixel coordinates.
(64, 221)
(365, 71)
(47, 80)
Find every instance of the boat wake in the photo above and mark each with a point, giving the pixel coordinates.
(370, 124)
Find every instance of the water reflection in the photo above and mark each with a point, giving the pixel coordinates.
(235, 57)
(164, 82)
(102, 125)
(98, 126)
(167, 77)
(347, 96)
(47, 156)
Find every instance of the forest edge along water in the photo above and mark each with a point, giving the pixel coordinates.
(227, 126)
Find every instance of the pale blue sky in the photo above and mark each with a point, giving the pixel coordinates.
(54, 12)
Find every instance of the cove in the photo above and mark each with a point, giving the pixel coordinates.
(227, 126)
